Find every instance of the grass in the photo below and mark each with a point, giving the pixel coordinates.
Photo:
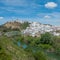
(12, 51)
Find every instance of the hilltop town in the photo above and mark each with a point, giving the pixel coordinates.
(30, 28)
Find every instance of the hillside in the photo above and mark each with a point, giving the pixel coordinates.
(14, 25)
(10, 51)
(40, 44)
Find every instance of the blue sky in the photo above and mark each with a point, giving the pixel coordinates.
(44, 11)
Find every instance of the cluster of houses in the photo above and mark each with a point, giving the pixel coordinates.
(36, 28)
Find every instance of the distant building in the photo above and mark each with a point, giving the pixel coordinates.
(56, 34)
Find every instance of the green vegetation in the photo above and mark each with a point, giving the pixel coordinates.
(24, 25)
(15, 46)
(10, 51)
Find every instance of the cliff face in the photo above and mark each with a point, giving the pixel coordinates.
(16, 25)
(13, 25)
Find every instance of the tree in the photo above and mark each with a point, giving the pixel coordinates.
(46, 38)
(39, 55)
(56, 44)
(25, 24)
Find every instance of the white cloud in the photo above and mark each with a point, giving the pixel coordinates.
(47, 16)
(51, 5)
(1, 18)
